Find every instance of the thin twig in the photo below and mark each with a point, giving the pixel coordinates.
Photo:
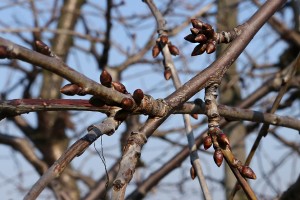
(169, 64)
(290, 72)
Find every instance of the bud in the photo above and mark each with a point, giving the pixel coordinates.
(195, 31)
(96, 101)
(42, 48)
(119, 87)
(167, 73)
(247, 172)
(105, 78)
(155, 51)
(195, 116)
(127, 103)
(199, 49)
(192, 172)
(190, 38)
(3, 52)
(222, 139)
(173, 49)
(138, 95)
(207, 142)
(218, 157)
(197, 23)
(206, 26)
(70, 89)
(164, 39)
(200, 38)
(211, 47)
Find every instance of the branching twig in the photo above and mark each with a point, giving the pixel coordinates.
(212, 74)
(107, 127)
(167, 49)
(290, 72)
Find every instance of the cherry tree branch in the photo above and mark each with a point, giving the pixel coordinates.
(107, 127)
(210, 75)
(169, 66)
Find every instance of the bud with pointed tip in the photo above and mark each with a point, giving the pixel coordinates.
(222, 139)
(105, 78)
(190, 38)
(218, 157)
(173, 49)
(199, 49)
(126, 103)
(211, 47)
(70, 89)
(195, 31)
(42, 48)
(155, 51)
(164, 39)
(247, 172)
(197, 23)
(192, 172)
(200, 38)
(206, 26)
(138, 95)
(207, 142)
(167, 73)
(119, 87)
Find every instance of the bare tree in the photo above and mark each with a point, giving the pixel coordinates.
(115, 58)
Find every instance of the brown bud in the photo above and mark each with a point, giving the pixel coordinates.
(173, 49)
(211, 47)
(206, 26)
(247, 172)
(218, 157)
(70, 89)
(199, 49)
(190, 38)
(96, 101)
(167, 73)
(119, 87)
(195, 116)
(155, 51)
(195, 31)
(164, 39)
(42, 48)
(105, 78)
(192, 173)
(3, 52)
(207, 142)
(121, 115)
(127, 103)
(222, 139)
(138, 95)
(200, 38)
(197, 23)
(209, 33)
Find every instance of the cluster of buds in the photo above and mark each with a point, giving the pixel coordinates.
(106, 80)
(207, 38)
(203, 34)
(219, 141)
(161, 42)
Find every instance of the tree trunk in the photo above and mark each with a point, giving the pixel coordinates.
(230, 93)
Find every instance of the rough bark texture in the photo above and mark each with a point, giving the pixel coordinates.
(230, 93)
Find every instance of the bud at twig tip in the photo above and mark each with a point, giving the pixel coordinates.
(105, 78)
(138, 95)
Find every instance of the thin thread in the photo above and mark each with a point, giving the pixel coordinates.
(101, 155)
